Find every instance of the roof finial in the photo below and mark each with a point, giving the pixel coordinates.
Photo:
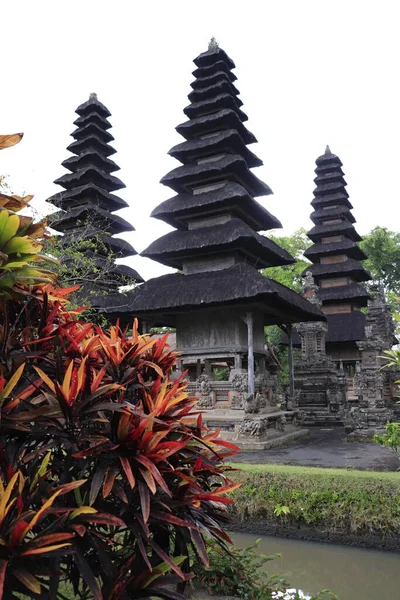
(213, 44)
(328, 150)
(93, 96)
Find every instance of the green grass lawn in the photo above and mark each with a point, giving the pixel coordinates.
(315, 471)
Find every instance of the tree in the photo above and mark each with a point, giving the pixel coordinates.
(382, 248)
(290, 275)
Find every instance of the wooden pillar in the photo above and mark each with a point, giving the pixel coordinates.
(289, 330)
(250, 353)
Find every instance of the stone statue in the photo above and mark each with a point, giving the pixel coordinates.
(204, 387)
(251, 404)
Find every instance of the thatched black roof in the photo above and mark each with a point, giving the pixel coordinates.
(328, 199)
(91, 216)
(344, 293)
(240, 285)
(345, 246)
(230, 198)
(91, 157)
(213, 78)
(84, 194)
(90, 174)
(331, 187)
(344, 228)
(216, 181)
(92, 129)
(93, 105)
(231, 167)
(217, 121)
(209, 105)
(92, 141)
(234, 236)
(334, 212)
(349, 267)
(87, 203)
(212, 56)
(218, 65)
(228, 141)
(346, 327)
(222, 86)
(93, 117)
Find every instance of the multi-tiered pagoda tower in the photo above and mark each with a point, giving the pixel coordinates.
(337, 269)
(87, 204)
(219, 302)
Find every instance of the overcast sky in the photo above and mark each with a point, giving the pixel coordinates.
(310, 73)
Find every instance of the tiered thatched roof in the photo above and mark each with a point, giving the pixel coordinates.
(335, 253)
(216, 244)
(87, 202)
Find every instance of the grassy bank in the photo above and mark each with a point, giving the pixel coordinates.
(353, 502)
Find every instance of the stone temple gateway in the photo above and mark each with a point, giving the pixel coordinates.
(219, 302)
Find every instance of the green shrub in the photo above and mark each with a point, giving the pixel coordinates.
(344, 501)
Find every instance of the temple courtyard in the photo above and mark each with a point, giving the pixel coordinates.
(325, 447)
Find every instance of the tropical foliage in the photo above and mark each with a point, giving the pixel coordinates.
(290, 275)
(108, 478)
(21, 240)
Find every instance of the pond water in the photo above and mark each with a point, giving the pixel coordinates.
(351, 573)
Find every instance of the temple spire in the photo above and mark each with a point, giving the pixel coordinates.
(87, 203)
(335, 254)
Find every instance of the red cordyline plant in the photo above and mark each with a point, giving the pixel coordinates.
(108, 480)
(110, 475)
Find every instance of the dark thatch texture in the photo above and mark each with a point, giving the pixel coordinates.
(230, 237)
(240, 284)
(212, 56)
(223, 86)
(349, 267)
(92, 129)
(93, 105)
(335, 212)
(223, 119)
(231, 167)
(90, 174)
(337, 198)
(332, 187)
(346, 246)
(344, 227)
(90, 216)
(230, 198)
(344, 293)
(93, 117)
(209, 105)
(344, 328)
(86, 218)
(90, 158)
(214, 78)
(228, 141)
(92, 141)
(215, 67)
(84, 194)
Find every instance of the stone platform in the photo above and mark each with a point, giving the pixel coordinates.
(256, 432)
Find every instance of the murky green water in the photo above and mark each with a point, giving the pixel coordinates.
(352, 573)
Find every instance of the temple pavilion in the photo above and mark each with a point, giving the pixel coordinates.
(217, 300)
(337, 269)
(87, 217)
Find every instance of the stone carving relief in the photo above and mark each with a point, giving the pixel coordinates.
(240, 382)
(204, 388)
